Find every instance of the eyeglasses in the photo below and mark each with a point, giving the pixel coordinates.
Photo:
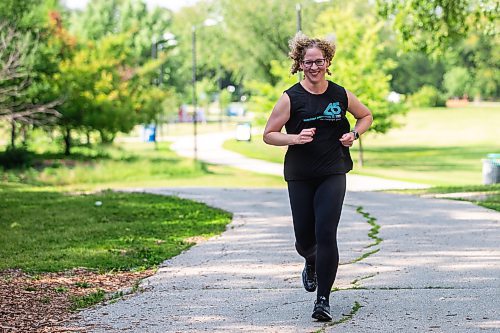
(318, 62)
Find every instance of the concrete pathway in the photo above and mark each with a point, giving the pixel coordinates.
(436, 269)
(408, 264)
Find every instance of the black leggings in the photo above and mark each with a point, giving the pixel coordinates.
(316, 207)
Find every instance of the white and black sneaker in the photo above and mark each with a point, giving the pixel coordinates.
(322, 309)
(309, 277)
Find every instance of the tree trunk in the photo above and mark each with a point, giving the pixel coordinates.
(360, 159)
(88, 137)
(13, 134)
(106, 137)
(24, 131)
(67, 142)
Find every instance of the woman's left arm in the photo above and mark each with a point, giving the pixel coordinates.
(363, 117)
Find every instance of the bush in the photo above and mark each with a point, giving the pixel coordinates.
(14, 158)
(457, 82)
(427, 96)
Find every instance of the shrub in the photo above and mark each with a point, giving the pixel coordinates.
(13, 158)
(457, 82)
(427, 96)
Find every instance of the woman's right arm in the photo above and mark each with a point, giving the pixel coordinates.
(278, 118)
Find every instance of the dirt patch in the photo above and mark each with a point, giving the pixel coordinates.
(43, 302)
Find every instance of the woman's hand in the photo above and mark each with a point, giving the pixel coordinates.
(305, 136)
(347, 139)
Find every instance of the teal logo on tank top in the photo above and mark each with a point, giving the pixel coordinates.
(332, 112)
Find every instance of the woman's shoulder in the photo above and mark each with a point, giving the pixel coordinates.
(338, 90)
(294, 88)
(333, 85)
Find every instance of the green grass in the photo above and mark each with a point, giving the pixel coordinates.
(47, 226)
(81, 302)
(487, 189)
(131, 165)
(483, 195)
(44, 230)
(435, 146)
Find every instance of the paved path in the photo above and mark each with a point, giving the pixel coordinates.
(435, 270)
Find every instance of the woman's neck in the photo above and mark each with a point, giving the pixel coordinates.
(315, 87)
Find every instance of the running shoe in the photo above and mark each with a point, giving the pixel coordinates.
(309, 278)
(322, 310)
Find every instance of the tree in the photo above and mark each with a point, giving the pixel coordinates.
(24, 29)
(479, 55)
(213, 58)
(357, 65)
(17, 13)
(415, 70)
(16, 106)
(457, 82)
(126, 30)
(103, 93)
(102, 18)
(259, 34)
(264, 95)
(433, 25)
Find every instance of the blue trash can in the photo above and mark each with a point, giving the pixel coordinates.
(149, 133)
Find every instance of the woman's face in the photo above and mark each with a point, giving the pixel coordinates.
(314, 65)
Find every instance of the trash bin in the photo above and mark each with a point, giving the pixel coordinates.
(491, 169)
(244, 132)
(149, 133)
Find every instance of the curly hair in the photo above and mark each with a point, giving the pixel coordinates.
(300, 43)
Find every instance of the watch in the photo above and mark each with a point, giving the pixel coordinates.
(356, 134)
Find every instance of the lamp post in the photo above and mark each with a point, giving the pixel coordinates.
(167, 39)
(298, 8)
(219, 85)
(195, 117)
(207, 22)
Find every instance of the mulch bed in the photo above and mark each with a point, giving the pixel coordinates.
(43, 302)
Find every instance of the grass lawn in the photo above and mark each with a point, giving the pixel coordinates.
(51, 228)
(483, 195)
(437, 146)
(52, 231)
(130, 165)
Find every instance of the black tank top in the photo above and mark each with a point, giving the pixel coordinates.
(325, 155)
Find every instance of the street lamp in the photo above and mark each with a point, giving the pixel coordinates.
(195, 117)
(298, 10)
(166, 40)
(207, 23)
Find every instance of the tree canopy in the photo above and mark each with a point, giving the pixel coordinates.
(118, 63)
(434, 25)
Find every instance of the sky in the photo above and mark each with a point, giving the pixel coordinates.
(171, 4)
